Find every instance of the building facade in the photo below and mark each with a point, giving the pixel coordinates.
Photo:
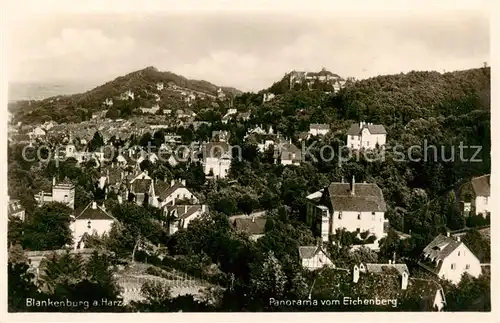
(366, 136)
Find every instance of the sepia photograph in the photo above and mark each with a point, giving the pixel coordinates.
(323, 159)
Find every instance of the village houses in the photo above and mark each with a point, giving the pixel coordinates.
(217, 159)
(314, 257)
(318, 129)
(93, 219)
(449, 258)
(366, 136)
(179, 216)
(475, 196)
(16, 210)
(355, 207)
(63, 192)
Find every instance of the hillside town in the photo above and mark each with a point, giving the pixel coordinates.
(168, 197)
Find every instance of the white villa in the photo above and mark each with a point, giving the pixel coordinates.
(449, 258)
(355, 207)
(217, 159)
(366, 135)
(93, 219)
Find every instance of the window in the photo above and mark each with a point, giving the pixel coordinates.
(359, 216)
(459, 253)
(373, 216)
(358, 230)
(340, 215)
(453, 266)
(368, 143)
(352, 146)
(467, 267)
(352, 137)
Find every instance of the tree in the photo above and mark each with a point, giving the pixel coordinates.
(471, 294)
(270, 281)
(96, 142)
(15, 230)
(20, 287)
(48, 228)
(70, 277)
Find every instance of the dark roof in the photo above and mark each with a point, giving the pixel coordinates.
(167, 191)
(307, 252)
(319, 126)
(184, 211)
(355, 130)
(286, 150)
(385, 268)
(216, 149)
(367, 198)
(436, 251)
(93, 214)
(255, 226)
(481, 185)
(141, 186)
(382, 286)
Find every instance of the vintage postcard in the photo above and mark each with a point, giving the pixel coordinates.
(214, 158)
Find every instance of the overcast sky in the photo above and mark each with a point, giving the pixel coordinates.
(248, 51)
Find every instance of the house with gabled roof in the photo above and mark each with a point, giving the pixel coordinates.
(217, 159)
(314, 257)
(355, 207)
(254, 226)
(318, 129)
(286, 153)
(393, 281)
(163, 193)
(449, 258)
(366, 136)
(179, 216)
(16, 210)
(92, 219)
(475, 196)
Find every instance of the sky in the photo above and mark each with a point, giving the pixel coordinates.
(248, 50)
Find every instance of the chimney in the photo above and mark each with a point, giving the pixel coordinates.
(146, 172)
(94, 205)
(54, 181)
(183, 182)
(342, 179)
(458, 238)
(355, 276)
(172, 182)
(253, 219)
(353, 191)
(404, 280)
(448, 234)
(390, 262)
